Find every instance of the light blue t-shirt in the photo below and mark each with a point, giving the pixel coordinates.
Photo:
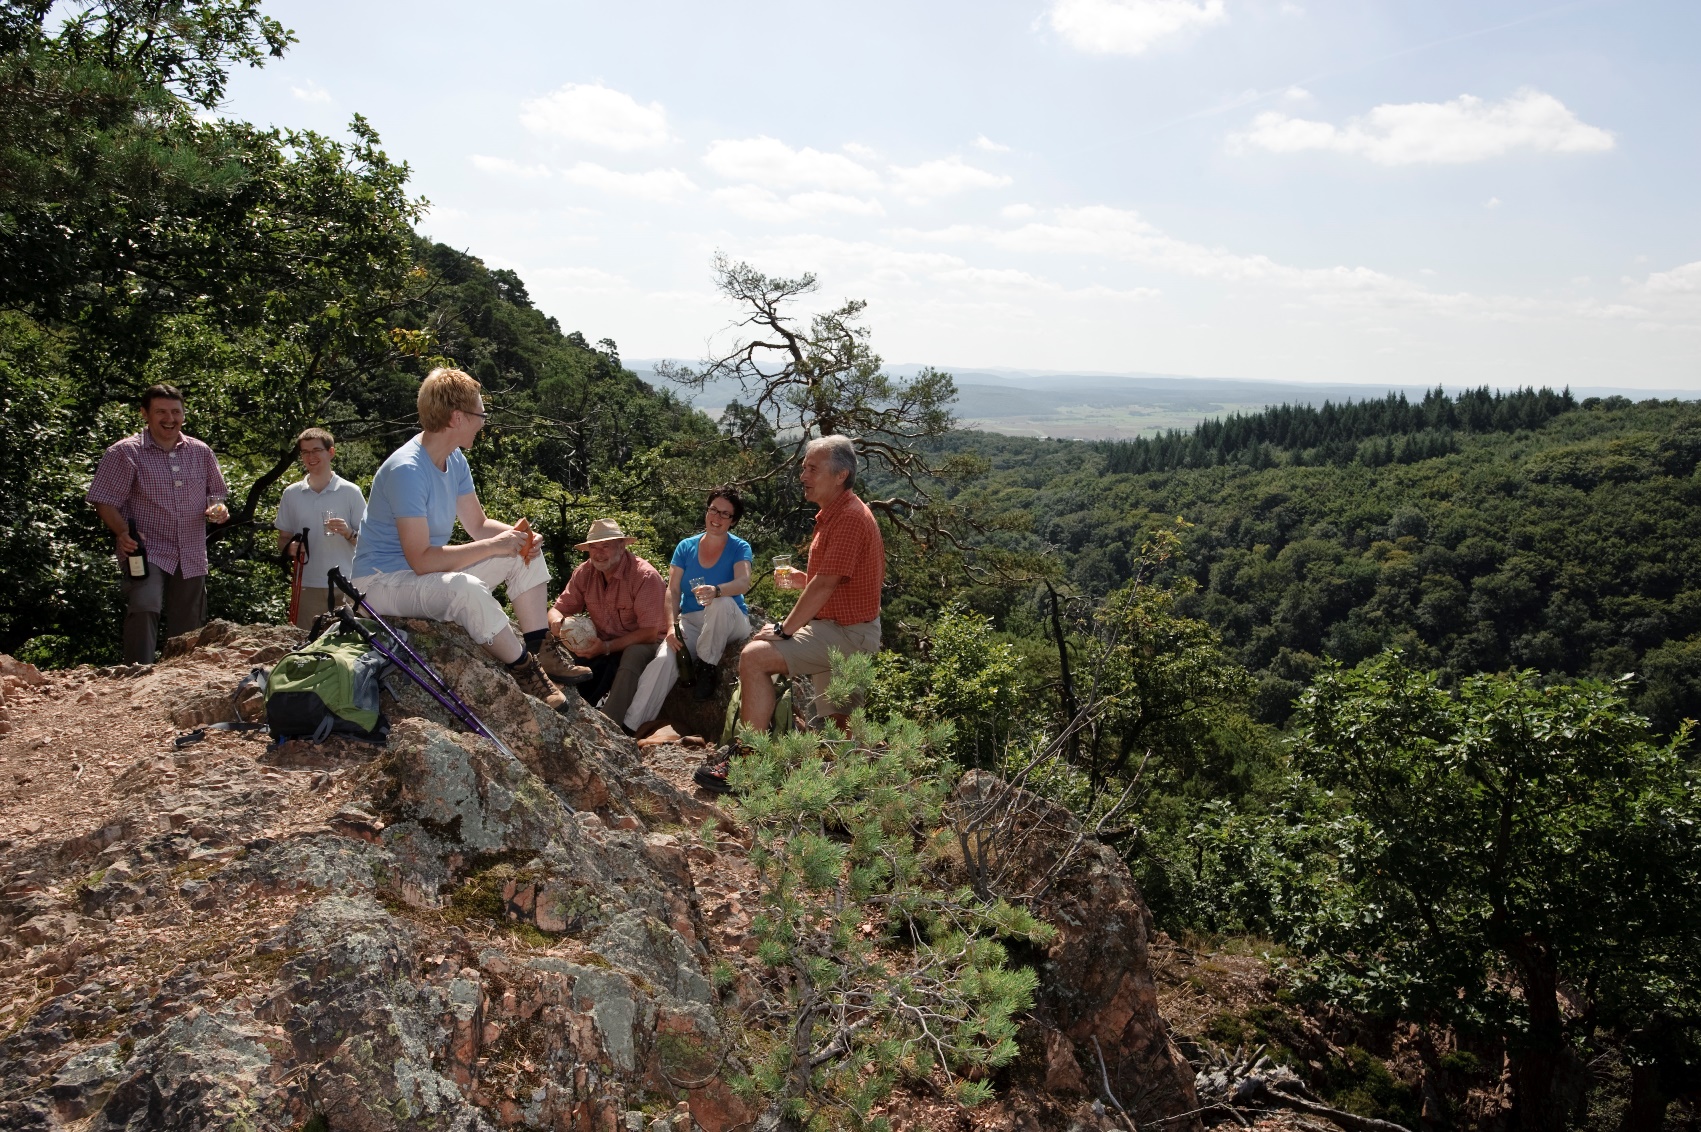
(685, 557)
(409, 486)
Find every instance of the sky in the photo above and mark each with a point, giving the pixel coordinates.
(1377, 191)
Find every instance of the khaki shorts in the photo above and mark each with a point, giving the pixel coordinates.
(807, 653)
(313, 604)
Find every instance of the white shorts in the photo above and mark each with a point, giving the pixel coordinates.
(461, 596)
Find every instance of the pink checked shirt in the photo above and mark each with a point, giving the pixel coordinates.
(165, 494)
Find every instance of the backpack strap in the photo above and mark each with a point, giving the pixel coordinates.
(256, 678)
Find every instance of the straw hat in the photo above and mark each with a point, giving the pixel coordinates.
(605, 530)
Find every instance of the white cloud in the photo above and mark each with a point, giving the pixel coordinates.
(773, 162)
(577, 280)
(505, 167)
(945, 177)
(990, 146)
(1491, 202)
(1297, 94)
(754, 202)
(1465, 129)
(654, 184)
(857, 149)
(311, 92)
(593, 113)
(1684, 280)
(1129, 27)
(1017, 211)
(1121, 234)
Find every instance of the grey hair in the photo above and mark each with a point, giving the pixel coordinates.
(841, 450)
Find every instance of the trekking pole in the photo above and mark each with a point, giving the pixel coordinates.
(441, 692)
(299, 541)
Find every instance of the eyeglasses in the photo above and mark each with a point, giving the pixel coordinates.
(312, 451)
(470, 413)
(723, 514)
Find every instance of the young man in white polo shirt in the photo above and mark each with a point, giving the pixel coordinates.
(330, 509)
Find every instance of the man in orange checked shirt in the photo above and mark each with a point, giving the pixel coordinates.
(838, 609)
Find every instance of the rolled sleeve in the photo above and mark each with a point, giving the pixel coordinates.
(114, 480)
(572, 597)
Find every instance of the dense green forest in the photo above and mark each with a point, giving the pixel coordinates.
(1544, 533)
(1396, 689)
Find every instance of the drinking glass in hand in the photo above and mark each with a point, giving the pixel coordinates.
(786, 576)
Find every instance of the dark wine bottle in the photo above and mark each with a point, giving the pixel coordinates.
(136, 562)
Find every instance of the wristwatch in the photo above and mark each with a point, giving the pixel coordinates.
(717, 591)
(780, 632)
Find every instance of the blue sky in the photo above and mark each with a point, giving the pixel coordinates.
(1322, 190)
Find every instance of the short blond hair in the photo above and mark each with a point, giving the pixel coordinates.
(441, 393)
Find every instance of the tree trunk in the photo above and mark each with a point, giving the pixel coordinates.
(1648, 1100)
(1541, 1059)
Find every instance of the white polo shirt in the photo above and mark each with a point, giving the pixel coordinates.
(301, 507)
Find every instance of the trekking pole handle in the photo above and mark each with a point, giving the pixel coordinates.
(338, 582)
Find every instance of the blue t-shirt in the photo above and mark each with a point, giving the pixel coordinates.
(409, 486)
(685, 557)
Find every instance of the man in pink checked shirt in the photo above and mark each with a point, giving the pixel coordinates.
(170, 486)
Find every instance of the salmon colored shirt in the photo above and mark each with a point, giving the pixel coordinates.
(847, 542)
(630, 597)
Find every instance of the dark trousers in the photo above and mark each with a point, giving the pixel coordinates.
(182, 601)
(615, 675)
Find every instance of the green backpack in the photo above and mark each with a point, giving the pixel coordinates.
(782, 714)
(330, 686)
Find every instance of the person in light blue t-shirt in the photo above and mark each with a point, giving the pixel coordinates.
(405, 565)
(706, 583)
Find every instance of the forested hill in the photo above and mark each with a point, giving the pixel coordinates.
(1546, 534)
(1385, 431)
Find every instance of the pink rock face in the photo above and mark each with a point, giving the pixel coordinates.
(1097, 982)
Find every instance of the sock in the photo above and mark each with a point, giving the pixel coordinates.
(517, 664)
(534, 640)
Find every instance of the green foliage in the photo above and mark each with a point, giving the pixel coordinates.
(1560, 539)
(1470, 853)
(877, 969)
(961, 674)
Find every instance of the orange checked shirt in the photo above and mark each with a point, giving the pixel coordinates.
(847, 542)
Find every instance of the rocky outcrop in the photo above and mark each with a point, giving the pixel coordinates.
(1095, 1028)
(439, 934)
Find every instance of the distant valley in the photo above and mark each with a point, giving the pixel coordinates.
(1105, 406)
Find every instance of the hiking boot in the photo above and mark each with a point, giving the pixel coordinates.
(708, 676)
(533, 682)
(711, 776)
(559, 664)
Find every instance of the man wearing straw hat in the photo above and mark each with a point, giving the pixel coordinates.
(626, 600)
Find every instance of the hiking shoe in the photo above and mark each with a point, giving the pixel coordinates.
(711, 776)
(708, 676)
(533, 681)
(559, 664)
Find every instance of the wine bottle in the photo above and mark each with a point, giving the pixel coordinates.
(136, 562)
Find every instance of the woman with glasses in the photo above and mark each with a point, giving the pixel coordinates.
(706, 581)
(405, 564)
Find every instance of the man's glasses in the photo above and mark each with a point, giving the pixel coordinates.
(470, 413)
(312, 451)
